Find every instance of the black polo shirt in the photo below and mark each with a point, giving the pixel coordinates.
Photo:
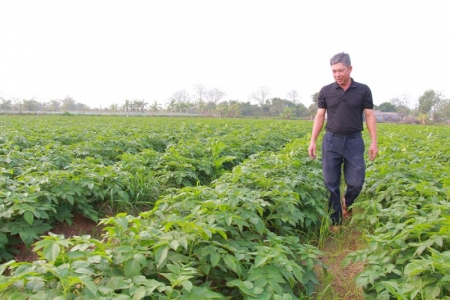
(345, 109)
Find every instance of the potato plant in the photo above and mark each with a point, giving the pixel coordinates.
(239, 238)
(53, 166)
(407, 204)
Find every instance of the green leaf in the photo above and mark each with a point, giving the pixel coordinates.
(140, 293)
(214, 257)
(268, 296)
(298, 273)
(183, 242)
(132, 268)
(432, 291)
(89, 284)
(257, 290)
(123, 222)
(29, 217)
(260, 260)
(248, 284)
(413, 269)
(361, 280)
(439, 241)
(51, 252)
(187, 285)
(139, 257)
(174, 245)
(222, 233)
(244, 286)
(230, 261)
(260, 283)
(83, 271)
(276, 287)
(256, 274)
(35, 285)
(124, 249)
(70, 198)
(62, 271)
(161, 255)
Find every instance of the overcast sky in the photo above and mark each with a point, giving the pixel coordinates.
(103, 52)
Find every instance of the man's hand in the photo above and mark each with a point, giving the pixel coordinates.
(373, 151)
(312, 150)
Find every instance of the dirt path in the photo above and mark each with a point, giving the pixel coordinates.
(339, 282)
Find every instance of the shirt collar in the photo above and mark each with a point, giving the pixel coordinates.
(352, 84)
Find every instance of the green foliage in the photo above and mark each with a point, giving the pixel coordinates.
(225, 207)
(387, 107)
(51, 167)
(222, 210)
(407, 203)
(231, 240)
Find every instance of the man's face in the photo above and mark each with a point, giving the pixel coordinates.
(341, 73)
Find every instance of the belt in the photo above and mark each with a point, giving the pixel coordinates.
(354, 134)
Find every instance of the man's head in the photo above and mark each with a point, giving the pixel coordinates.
(343, 58)
(341, 67)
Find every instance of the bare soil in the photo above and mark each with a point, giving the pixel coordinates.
(80, 226)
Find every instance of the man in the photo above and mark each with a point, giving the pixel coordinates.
(343, 102)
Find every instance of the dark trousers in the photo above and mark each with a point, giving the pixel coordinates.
(346, 150)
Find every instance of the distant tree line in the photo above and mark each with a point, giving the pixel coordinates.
(32, 105)
(431, 106)
(202, 102)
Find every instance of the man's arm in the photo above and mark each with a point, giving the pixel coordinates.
(317, 127)
(371, 123)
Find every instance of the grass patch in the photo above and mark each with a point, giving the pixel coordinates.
(338, 282)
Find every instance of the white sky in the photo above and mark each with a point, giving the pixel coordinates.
(103, 52)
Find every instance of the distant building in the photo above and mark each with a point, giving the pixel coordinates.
(383, 116)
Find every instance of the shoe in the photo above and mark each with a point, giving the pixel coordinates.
(334, 229)
(345, 213)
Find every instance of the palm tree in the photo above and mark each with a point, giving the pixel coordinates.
(172, 105)
(126, 106)
(155, 107)
(142, 105)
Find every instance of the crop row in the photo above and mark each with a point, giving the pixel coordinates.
(239, 238)
(51, 167)
(226, 206)
(407, 204)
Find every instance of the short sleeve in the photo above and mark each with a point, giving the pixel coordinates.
(368, 100)
(321, 100)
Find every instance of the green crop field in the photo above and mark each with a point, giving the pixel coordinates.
(194, 208)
